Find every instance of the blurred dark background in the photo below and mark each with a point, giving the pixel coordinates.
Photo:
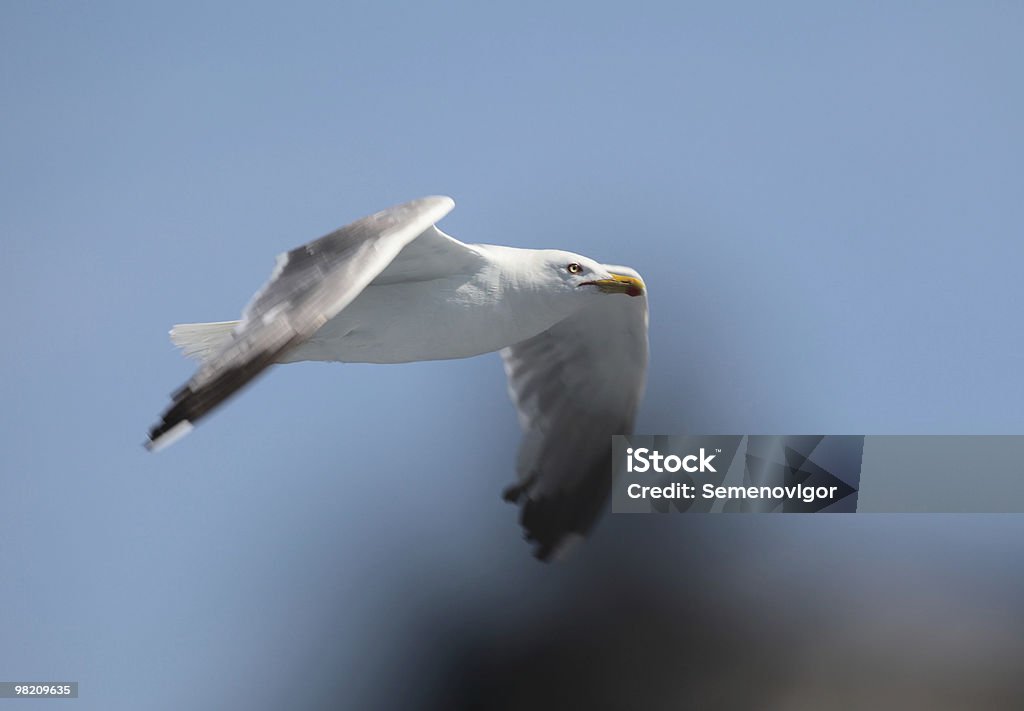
(823, 199)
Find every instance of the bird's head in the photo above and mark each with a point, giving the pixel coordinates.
(582, 275)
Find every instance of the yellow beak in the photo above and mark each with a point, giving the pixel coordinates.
(619, 284)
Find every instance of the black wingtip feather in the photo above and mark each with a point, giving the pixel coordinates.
(549, 520)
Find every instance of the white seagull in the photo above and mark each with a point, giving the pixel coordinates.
(392, 288)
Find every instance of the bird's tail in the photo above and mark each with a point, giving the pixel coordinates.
(201, 340)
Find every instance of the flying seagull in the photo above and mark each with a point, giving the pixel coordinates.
(392, 288)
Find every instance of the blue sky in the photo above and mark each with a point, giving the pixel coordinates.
(824, 200)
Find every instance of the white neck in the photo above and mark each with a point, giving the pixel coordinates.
(527, 300)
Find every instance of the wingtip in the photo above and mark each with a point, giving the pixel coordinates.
(559, 550)
(442, 199)
(166, 438)
(442, 203)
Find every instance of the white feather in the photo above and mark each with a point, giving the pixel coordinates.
(201, 340)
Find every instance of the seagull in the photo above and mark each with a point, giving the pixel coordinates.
(392, 288)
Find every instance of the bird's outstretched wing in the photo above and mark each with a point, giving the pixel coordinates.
(432, 255)
(309, 286)
(575, 385)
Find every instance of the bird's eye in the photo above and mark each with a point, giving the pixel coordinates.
(574, 268)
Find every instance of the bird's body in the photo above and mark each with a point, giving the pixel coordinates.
(392, 288)
(460, 315)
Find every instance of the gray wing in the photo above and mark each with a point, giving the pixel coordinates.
(574, 386)
(309, 285)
